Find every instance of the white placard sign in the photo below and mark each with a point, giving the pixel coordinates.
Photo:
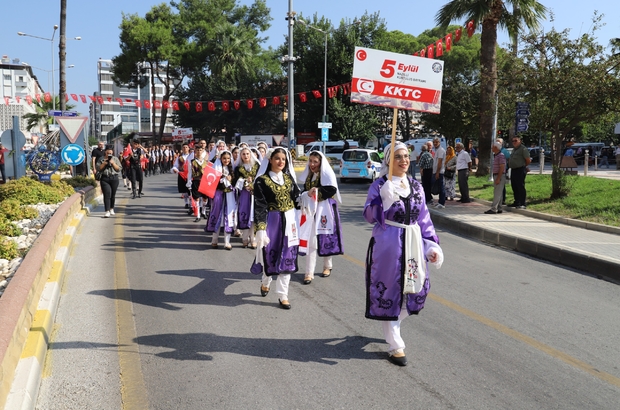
(181, 134)
(396, 80)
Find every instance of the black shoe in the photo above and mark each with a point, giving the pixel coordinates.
(186, 206)
(490, 212)
(263, 292)
(190, 211)
(133, 195)
(307, 280)
(499, 211)
(283, 305)
(197, 219)
(513, 205)
(398, 361)
(139, 194)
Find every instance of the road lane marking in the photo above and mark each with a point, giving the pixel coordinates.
(133, 389)
(555, 353)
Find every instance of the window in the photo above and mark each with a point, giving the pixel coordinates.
(7, 77)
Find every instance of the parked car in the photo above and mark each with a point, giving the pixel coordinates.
(360, 163)
(333, 149)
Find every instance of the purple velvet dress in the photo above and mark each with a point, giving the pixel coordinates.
(327, 244)
(244, 201)
(270, 202)
(218, 210)
(385, 267)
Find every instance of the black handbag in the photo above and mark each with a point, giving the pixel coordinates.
(436, 187)
(448, 174)
(98, 175)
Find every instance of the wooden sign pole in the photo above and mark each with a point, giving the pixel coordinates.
(394, 122)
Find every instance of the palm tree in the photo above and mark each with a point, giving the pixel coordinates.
(491, 14)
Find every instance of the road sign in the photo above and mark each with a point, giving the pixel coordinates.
(457, 140)
(521, 121)
(522, 127)
(325, 134)
(73, 154)
(523, 106)
(325, 125)
(58, 113)
(523, 113)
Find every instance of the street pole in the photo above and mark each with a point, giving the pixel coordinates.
(53, 87)
(291, 84)
(494, 135)
(325, 87)
(62, 45)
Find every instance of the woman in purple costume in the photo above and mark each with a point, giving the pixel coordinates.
(277, 235)
(224, 203)
(403, 242)
(324, 232)
(245, 174)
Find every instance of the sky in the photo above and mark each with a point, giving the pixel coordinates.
(97, 23)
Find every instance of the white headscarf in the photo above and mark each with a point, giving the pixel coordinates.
(327, 175)
(218, 163)
(287, 170)
(385, 166)
(253, 159)
(214, 152)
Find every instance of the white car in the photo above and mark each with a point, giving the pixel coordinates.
(360, 163)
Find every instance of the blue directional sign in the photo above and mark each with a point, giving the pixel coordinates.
(325, 134)
(58, 113)
(73, 154)
(522, 127)
(523, 113)
(521, 121)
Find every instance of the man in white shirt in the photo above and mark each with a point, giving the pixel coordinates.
(439, 166)
(463, 166)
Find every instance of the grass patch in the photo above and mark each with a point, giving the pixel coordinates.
(590, 199)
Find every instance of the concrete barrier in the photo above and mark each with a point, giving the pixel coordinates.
(24, 326)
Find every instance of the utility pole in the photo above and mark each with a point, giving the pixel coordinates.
(62, 46)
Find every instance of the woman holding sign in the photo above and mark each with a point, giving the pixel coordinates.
(277, 235)
(403, 241)
(320, 231)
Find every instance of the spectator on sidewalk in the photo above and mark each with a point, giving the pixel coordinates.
(473, 153)
(519, 162)
(507, 170)
(463, 166)
(439, 166)
(2, 169)
(499, 178)
(426, 173)
(110, 168)
(413, 158)
(450, 174)
(98, 152)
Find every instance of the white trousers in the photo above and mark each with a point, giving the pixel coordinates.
(311, 255)
(391, 331)
(282, 282)
(247, 235)
(216, 236)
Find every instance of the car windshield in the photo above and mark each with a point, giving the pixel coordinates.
(355, 156)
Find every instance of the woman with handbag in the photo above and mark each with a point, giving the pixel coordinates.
(275, 198)
(108, 170)
(323, 232)
(449, 175)
(403, 241)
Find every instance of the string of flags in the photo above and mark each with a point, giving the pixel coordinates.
(437, 48)
(198, 106)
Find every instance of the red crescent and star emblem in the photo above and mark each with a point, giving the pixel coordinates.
(361, 55)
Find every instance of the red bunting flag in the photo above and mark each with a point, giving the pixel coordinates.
(316, 93)
(346, 89)
(18, 99)
(138, 104)
(470, 28)
(128, 100)
(237, 104)
(276, 100)
(198, 107)
(108, 98)
(67, 98)
(38, 97)
(439, 48)
(457, 34)
(303, 97)
(147, 104)
(92, 98)
(186, 105)
(430, 50)
(6, 100)
(250, 104)
(448, 41)
(225, 105)
(211, 106)
(74, 96)
(100, 100)
(166, 104)
(423, 52)
(175, 105)
(120, 101)
(48, 97)
(29, 99)
(416, 54)
(157, 104)
(83, 98)
(262, 102)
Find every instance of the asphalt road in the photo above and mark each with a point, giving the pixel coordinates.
(499, 330)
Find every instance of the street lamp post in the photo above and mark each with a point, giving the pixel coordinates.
(51, 40)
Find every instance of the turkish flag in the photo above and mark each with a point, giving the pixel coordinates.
(276, 100)
(237, 104)
(186, 105)
(209, 181)
(38, 97)
(175, 105)
(29, 99)
(120, 101)
(6, 100)
(470, 28)
(439, 47)
(346, 89)
(198, 107)
(92, 98)
(128, 100)
(100, 100)
(429, 51)
(225, 105)
(67, 98)
(416, 54)
(166, 104)
(250, 104)
(108, 98)
(183, 170)
(48, 97)
(316, 93)
(262, 102)
(303, 97)
(127, 151)
(211, 106)
(423, 52)
(17, 98)
(457, 34)
(83, 98)
(147, 104)
(157, 104)
(74, 96)
(448, 41)
(138, 104)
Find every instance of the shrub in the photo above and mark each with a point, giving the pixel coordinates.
(8, 228)
(12, 211)
(28, 191)
(8, 249)
(79, 181)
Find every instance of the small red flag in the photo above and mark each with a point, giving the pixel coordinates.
(120, 101)
(100, 100)
(448, 41)
(147, 104)
(108, 98)
(429, 51)
(262, 102)
(74, 96)
(237, 104)
(457, 34)
(186, 105)
(470, 28)
(439, 48)
(157, 104)
(198, 107)
(303, 97)
(416, 54)
(211, 106)
(225, 105)
(276, 100)
(166, 104)
(316, 93)
(250, 104)
(17, 98)
(29, 99)
(38, 97)
(48, 97)
(209, 181)
(127, 151)
(6, 100)
(138, 104)
(175, 105)
(83, 98)
(423, 52)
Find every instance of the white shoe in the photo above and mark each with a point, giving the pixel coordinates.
(439, 206)
(107, 214)
(111, 211)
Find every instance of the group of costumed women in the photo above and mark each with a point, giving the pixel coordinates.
(290, 220)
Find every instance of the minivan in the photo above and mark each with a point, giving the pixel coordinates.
(333, 149)
(360, 163)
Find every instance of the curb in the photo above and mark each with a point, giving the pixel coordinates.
(27, 373)
(596, 265)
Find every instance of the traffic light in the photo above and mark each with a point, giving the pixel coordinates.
(499, 133)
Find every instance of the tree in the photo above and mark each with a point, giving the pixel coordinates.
(41, 118)
(568, 83)
(491, 14)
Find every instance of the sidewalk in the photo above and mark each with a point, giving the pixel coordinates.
(589, 247)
